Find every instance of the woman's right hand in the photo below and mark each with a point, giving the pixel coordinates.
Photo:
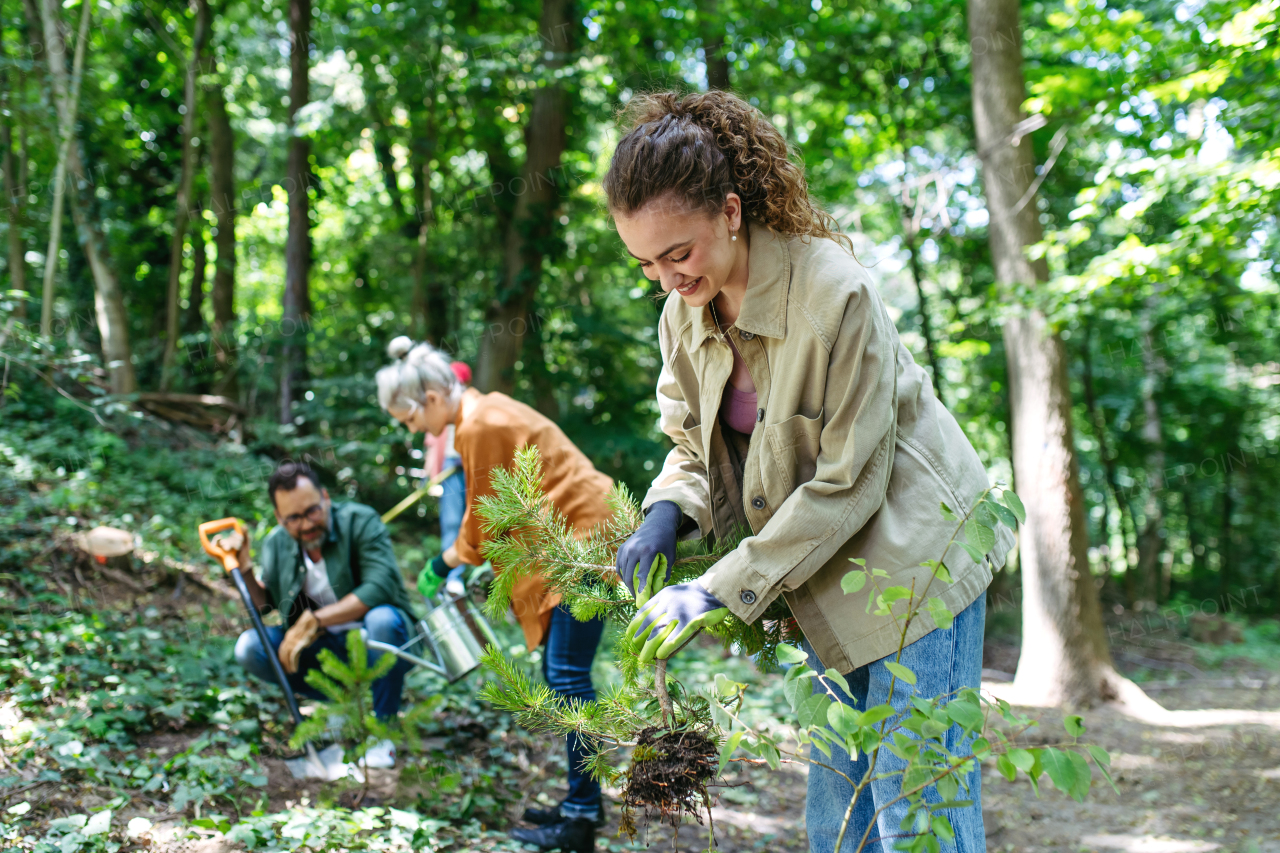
(638, 558)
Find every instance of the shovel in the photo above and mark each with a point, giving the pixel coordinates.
(327, 764)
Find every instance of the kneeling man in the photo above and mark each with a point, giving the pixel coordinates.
(329, 568)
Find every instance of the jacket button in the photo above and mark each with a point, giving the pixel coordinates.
(746, 336)
(757, 502)
(759, 416)
(748, 597)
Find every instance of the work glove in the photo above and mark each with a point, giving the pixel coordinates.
(645, 560)
(672, 617)
(432, 576)
(238, 542)
(303, 633)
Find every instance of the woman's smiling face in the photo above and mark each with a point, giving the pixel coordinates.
(687, 251)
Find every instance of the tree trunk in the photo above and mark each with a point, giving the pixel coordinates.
(68, 100)
(297, 253)
(222, 196)
(183, 211)
(14, 187)
(713, 48)
(533, 220)
(1150, 540)
(113, 321)
(1065, 659)
(192, 318)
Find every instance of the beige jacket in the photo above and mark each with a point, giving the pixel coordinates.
(851, 454)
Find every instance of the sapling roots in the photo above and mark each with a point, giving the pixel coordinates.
(669, 775)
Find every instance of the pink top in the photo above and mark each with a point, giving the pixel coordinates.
(738, 408)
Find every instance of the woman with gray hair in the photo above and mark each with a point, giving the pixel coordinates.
(421, 391)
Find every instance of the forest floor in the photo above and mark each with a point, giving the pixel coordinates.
(1181, 790)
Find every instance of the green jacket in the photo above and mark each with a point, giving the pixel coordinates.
(357, 537)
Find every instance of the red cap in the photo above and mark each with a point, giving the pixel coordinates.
(461, 371)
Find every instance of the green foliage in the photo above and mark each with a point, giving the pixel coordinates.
(349, 687)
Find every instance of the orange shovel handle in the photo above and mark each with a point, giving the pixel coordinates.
(230, 559)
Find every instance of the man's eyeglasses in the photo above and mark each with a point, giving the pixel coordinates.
(314, 514)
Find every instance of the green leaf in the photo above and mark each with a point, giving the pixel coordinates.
(1014, 503)
(1061, 769)
(790, 654)
(1103, 760)
(858, 561)
(942, 828)
(813, 711)
(1074, 724)
(1084, 776)
(1007, 518)
(984, 515)
(726, 752)
(838, 679)
(947, 513)
(967, 714)
(942, 617)
(901, 671)
(980, 746)
(726, 688)
(796, 689)
(877, 713)
(853, 581)
(1022, 759)
(980, 537)
(879, 573)
(942, 573)
(896, 593)
(1006, 768)
(843, 719)
(974, 553)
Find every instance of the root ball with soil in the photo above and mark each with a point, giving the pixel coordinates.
(669, 775)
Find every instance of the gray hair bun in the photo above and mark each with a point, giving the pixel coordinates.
(399, 347)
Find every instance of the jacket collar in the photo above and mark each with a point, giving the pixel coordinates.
(764, 310)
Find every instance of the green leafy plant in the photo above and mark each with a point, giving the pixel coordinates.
(349, 687)
(669, 772)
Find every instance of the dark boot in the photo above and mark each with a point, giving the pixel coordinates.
(570, 836)
(544, 817)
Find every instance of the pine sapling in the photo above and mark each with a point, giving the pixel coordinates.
(349, 687)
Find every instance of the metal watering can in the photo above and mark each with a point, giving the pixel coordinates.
(455, 632)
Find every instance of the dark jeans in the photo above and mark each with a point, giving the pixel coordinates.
(566, 664)
(382, 623)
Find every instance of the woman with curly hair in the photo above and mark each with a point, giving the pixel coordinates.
(798, 415)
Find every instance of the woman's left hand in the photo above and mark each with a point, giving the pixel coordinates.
(672, 617)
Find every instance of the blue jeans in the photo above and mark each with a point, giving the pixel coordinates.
(453, 504)
(943, 661)
(566, 665)
(382, 623)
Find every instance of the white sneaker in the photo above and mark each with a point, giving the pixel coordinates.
(381, 756)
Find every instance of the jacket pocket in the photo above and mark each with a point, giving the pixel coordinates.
(794, 445)
(693, 435)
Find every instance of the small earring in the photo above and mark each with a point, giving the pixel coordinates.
(734, 237)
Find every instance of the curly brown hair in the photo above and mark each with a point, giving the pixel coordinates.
(700, 147)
